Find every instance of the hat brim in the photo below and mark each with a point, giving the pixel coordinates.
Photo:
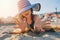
(35, 7)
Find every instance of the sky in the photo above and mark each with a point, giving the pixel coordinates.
(9, 7)
(47, 5)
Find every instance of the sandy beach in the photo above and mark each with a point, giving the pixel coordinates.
(4, 35)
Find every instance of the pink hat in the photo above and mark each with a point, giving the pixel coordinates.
(24, 5)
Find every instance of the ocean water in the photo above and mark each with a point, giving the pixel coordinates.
(4, 35)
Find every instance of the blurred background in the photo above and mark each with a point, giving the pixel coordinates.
(9, 7)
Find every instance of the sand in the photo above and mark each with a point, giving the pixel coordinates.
(4, 35)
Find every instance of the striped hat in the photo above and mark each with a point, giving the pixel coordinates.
(24, 5)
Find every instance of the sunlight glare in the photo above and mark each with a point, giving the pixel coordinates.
(8, 8)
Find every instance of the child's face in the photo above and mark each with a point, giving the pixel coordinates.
(27, 15)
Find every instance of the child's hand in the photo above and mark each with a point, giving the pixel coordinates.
(38, 26)
(23, 24)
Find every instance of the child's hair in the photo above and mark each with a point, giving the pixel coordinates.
(32, 17)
